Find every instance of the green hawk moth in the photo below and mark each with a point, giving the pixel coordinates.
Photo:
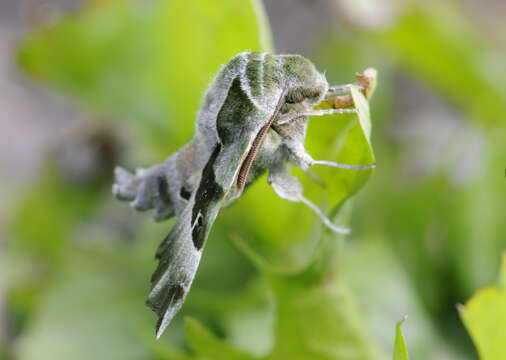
(253, 119)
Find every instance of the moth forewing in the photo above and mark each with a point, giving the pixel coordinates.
(180, 253)
(174, 275)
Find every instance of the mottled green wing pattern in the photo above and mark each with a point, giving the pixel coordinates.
(180, 253)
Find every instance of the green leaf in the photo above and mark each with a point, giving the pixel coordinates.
(311, 322)
(318, 322)
(484, 316)
(145, 62)
(400, 349)
(264, 29)
(282, 245)
(364, 115)
(205, 344)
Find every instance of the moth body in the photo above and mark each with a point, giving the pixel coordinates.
(253, 119)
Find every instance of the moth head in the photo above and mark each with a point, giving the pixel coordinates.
(305, 84)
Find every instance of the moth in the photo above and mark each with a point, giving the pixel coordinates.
(253, 120)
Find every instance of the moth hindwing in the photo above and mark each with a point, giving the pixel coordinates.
(253, 119)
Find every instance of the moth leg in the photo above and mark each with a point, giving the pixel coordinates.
(302, 159)
(337, 90)
(289, 188)
(293, 115)
(299, 156)
(343, 166)
(307, 162)
(145, 190)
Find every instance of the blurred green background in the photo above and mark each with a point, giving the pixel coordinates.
(85, 85)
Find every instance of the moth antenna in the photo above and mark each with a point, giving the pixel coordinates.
(343, 166)
(324, 219)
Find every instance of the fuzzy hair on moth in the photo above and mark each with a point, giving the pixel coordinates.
(253, 120)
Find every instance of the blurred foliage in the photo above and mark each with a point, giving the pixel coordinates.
(400, 350)
(436, 46)
(485, 315)
(269, 287)
(147, 63)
